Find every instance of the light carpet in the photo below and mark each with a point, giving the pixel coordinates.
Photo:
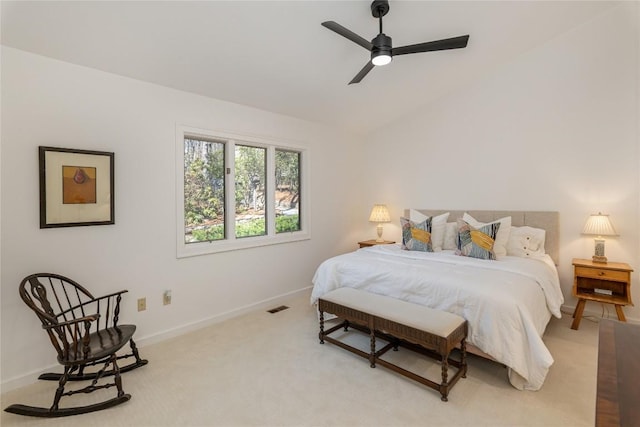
(264, 369)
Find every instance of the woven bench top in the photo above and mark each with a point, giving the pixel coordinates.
(417, 316)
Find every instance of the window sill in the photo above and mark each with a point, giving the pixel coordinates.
(204, 248)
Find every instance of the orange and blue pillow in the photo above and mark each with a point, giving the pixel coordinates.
(477, 242)
(416, 236)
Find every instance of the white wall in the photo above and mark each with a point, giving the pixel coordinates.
(47, 102)
(554, 129)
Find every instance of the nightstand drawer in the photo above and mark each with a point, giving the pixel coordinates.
(604, 274)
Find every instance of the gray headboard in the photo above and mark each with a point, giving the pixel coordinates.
(547, 220)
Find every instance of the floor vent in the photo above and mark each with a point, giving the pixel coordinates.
(277, 309)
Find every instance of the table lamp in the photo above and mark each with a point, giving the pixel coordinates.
(599, 225)
(379, 214)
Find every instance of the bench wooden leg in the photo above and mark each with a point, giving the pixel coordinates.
(372, 355)
(463, 357)
(321, 334)
(444, 386)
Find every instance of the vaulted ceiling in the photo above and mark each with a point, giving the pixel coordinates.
(275, 55)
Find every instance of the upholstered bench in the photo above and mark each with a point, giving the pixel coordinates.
(432, 332)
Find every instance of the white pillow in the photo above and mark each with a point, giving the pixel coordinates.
(526, 242)
(450, 236)
(437, 226)
(500, 245)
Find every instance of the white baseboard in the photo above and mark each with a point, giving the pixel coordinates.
(181, 330)
(31, 377)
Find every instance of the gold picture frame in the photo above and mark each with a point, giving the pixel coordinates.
(76, 187)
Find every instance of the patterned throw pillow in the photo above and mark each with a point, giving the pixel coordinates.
(438, 223)
(477, 242)
(416, 236)
(502, 236)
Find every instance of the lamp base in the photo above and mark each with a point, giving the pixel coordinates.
(599, 259)
(598, 253)
(379, 231)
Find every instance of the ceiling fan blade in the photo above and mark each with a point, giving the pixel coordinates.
(365, 70)
(337, 28)
(444, 44)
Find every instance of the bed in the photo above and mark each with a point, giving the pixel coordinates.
(508, 301)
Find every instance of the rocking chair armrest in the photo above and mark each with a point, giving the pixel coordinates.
(94, 300)
(89, 318)
(107, 307)
(110, 295)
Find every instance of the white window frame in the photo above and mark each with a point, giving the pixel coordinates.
(231, 242)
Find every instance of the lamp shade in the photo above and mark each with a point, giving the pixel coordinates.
(380, 213)
(599, 225)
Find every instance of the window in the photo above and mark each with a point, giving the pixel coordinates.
(237, 192)
(203, 190)
(250, 179)
(287, 193)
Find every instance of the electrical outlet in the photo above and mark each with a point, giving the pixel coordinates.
(166, 297)
(142, 304)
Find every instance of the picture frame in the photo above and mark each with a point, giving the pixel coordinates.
(76, 187)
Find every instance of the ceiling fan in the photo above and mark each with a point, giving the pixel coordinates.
(381, 48)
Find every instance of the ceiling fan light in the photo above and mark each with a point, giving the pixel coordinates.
(381, 59)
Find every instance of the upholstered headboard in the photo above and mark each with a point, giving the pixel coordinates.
(547, 220)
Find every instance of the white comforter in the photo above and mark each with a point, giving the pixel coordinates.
(508, 302)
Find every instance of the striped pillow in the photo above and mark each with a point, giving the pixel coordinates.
(416, 236)
(477, 242)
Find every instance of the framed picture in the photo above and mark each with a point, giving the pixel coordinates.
(76, 187)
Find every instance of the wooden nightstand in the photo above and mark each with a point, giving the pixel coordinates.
(373, 242)
(608, 283)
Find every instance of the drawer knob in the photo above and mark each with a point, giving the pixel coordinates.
(601, 273)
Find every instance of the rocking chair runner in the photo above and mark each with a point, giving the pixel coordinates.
(85, 332)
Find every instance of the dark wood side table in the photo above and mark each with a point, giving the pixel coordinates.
(372, 242)
(608, 283)
(618, 395)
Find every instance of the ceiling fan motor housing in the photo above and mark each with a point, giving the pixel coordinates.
(381, 45)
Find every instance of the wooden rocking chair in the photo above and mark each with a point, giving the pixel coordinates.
(85, 333)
